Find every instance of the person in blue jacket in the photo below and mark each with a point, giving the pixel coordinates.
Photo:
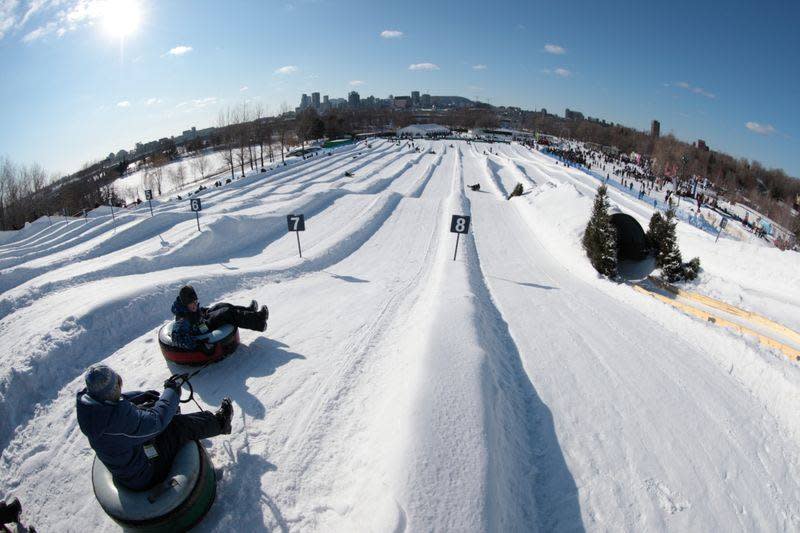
(192, 321)
(137, 434)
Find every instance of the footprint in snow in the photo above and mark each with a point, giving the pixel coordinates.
(670, 501)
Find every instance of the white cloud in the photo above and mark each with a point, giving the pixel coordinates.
(60, 16)
(479, 67)
(761, 129)
(199, 103)
(288, 69)
(39, 32)
(7, 17)
(562, 72)
(153, 101)
(696, 90)
(391, 34)
(180, 50)
(33, 7)
(554, 49)
(423, 66)
(244, 88)
(123, 103)
(356, 83)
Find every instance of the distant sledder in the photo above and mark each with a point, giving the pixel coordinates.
(199, 335)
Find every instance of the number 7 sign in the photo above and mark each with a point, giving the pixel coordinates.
(297, 223)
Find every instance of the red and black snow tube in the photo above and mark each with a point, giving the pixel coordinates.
(225, 341)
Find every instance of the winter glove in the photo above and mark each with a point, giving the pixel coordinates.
(203, 328)
(175, 382)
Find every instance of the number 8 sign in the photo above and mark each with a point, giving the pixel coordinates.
(459, 224)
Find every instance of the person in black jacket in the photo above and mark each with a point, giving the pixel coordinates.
(192, 321)
(137, 434)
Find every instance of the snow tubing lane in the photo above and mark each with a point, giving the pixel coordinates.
(176, 504)
(225, 340)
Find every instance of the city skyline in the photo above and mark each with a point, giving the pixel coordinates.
(86, 81)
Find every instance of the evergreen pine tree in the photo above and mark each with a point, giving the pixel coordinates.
(655, 234)
(668, 257)
(600, 238)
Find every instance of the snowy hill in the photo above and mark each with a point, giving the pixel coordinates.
(395, 388)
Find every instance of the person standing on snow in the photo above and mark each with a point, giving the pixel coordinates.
(191, 320)
(138, 434)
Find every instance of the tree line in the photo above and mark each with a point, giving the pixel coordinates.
(248, 138)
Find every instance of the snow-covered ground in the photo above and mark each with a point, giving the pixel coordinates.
(397, 389)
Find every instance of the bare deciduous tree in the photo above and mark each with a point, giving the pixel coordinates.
(200, 165)
(225, 124)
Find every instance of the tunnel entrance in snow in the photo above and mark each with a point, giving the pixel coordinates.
(630, 237)
(633, 261)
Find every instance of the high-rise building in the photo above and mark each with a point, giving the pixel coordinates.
(304, 101)
(315, 100)
(415, 98)
(655, 129)
(354, 99)
(326, 100)
(425, 101)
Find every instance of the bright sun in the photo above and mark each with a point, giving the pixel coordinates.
(121, 17)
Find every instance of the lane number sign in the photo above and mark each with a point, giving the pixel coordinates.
(296, 222)
(148, 194)
(459, 224)
(196, 204)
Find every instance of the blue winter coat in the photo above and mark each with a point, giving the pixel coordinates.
(188, 325)
(118, 430)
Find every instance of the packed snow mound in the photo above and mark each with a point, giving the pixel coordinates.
(399, 388)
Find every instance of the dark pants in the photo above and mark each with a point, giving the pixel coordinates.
(182, 429)
(235, 315)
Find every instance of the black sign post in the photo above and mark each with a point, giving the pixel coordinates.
(297, 223)
(722, 224)
(64, 211)
(85, 217)
(196, 205)
(148, 195)
(114, 218)
(459, 224)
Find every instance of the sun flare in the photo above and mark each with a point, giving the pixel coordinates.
(121, 17)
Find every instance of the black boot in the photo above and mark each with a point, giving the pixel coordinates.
(10, 511)
(264, 311)
(224, 415)
(253, 306)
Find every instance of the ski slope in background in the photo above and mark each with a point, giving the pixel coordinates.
(396, 389)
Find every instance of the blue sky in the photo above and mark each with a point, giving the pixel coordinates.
(72, 90)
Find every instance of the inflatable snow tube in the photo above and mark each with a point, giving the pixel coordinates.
(225, 341)
(176, 504)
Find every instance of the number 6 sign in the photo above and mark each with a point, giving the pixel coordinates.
(459, 224)
(196, 205)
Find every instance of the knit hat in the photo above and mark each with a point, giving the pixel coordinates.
(101, 382)
(187, 295)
